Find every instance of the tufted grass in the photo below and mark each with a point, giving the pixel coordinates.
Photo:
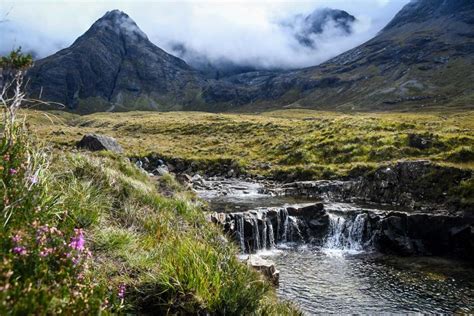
(286, 144)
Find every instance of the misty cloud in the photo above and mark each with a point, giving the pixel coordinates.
(242, 34)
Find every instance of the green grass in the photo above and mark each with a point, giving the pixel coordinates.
(287, 143)
(158, 247)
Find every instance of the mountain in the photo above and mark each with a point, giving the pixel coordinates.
(307, 28)
(114, 66)
(209, 68)
(423, 58)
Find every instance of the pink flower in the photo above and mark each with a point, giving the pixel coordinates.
(19, 250)
(121, 291)
(78, 241)
(16, 239)
(45, 252)
(13, 171)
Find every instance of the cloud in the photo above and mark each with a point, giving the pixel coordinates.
(243, 32)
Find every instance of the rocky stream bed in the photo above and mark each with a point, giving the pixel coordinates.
(340, 253)
(392, 241)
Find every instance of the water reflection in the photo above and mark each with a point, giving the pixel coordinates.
(337, 282)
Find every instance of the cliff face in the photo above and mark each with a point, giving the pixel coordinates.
(111, 65)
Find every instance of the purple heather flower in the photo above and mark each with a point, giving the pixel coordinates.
(45, 252)
(78, 241)
(19, 250)
(16, 238)
(121, 291)
(75, 261)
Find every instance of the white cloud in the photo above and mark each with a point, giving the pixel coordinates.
(241, 31)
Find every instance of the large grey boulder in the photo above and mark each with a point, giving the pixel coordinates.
(95, 142)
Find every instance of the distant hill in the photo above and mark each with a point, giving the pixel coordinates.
(423, 58)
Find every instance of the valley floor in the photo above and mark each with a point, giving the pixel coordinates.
(285, 144)
(150, 244)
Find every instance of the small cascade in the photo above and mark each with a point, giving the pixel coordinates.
(271, 234)
(240, 231)
(347, 232)
(263, 228)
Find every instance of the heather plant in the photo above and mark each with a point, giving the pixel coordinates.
(45, 262)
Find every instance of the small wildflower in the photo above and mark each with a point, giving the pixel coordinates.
(13, 171)
(78, 241)
(121, 291)
(19, 250)
(45, 252)
(33, 179)
(16, 239)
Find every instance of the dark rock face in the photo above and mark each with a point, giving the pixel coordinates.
(415, 234)
(411, 184)
(115, 63)
(94, 142)
(387, 232)
(418, 141)
(416, 11)
(317, 21)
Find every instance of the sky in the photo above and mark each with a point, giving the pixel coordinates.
(243, 32)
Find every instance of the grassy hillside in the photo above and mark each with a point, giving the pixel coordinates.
(286, 144)
(86, 233)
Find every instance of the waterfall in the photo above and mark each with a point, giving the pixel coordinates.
(284, 237)
(346, 232)
(264, 234)
(240, 231)
(271, 236)
(256, 233)
(255, 230)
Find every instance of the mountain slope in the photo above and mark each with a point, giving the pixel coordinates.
(114, 66)
(423, 57)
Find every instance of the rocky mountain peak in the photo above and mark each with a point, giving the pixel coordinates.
(120, 23)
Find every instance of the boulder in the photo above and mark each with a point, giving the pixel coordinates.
(306, 211)
(96, 142)
(161, 170)
(266, 267)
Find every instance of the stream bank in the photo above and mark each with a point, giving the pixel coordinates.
(382, 242)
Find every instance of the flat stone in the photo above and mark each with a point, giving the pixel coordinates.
(266, 267)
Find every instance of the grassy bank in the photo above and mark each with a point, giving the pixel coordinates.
(286, 144)
(86, 233)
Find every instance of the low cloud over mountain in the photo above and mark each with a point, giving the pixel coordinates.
(230, 35)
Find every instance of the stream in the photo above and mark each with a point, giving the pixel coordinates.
(342, 274)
